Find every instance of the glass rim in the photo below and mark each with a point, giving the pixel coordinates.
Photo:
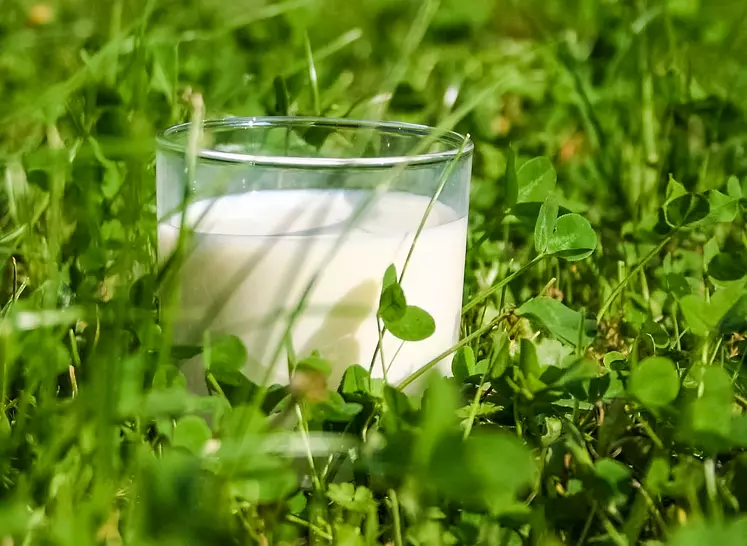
(453, 140)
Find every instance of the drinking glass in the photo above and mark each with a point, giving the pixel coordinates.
(281, 230)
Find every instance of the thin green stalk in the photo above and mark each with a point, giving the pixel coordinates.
(648, 138)
(493, 289)
(631, 274)
(648, 116)
(474, 407)
(15, 279)
(587, 526)
(612, 531)
(709, 468)
(310, 526)
(642, 504)
(76, 361)
(657, 513)
(738, 368)
(312, 76)
(5, 376)
(715, 350)
(580, 347)
(414, 376)
(115, 27)
(394, 357)
(444, 179)
(336, 45)
(380, 350)
(396, 518)
(650, 431)
(213, 383)
(517, 419)
(304, 429)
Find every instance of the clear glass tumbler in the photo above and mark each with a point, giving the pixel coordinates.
(290, 225)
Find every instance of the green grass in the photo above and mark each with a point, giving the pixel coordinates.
(597, 399)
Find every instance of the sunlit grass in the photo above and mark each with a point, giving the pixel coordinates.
(597, 400)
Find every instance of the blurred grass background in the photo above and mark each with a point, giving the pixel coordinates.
(618, 93)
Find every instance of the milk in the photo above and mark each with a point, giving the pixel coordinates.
(255, 253)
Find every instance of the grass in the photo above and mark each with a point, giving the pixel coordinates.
(596, 399)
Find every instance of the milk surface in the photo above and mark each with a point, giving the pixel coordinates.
(253, 254)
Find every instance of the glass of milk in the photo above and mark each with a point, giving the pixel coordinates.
(288, 225)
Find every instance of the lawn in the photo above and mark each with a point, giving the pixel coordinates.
(598, 394)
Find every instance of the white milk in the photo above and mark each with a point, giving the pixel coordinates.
(257, 252)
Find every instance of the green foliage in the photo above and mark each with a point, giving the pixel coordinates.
(535, 179)
(565, 324)
(414, 325)
(405, 322)
(599, 390)
(655, 382)
(545, 226)
(572, 238)
(191, 433)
